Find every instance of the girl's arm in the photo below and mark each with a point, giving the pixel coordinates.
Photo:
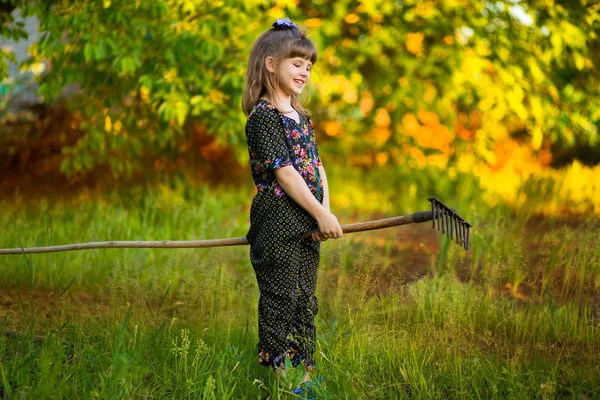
(295, 187)
(325, 187)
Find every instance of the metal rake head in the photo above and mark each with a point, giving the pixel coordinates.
(449, 222)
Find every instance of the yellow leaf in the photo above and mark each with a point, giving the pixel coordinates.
(579, 61)
(382, 158)
(276, 12)
(418, 156)
(351, 18)
(557, 45)
(313, 22)
(572, 35)
(515, 101)
(411, 125)
(483, 49)
(428, 118)
(171, 75)
(426, 10)
(350, 95)
(536, 108)
(536, 72)
(117, 126)
(414, 43)
(332, 128)
(438, 160)
(381, 135)
(366, 103)
(107, 124)
(382, 118)
(403, 81)
(347, 43)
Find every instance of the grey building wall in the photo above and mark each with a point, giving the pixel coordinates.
(22, 84)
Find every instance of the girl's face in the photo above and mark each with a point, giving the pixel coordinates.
(294, 74)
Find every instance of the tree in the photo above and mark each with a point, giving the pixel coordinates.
(435, 74)
(414, 80)
(144, 69)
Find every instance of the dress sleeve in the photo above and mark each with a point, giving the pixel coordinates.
(266, 139)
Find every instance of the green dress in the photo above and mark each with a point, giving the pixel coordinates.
(285, 263)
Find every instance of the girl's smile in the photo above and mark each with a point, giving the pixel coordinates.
(294, 74)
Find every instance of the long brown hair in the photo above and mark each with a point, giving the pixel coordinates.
(279, 44)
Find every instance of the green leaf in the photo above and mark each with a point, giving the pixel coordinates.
(87, 161)
(88, 52)
(128, 65)
(100, 50)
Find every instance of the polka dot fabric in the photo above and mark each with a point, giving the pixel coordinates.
(285, 264)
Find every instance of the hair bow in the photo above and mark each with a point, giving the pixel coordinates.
(283, 24)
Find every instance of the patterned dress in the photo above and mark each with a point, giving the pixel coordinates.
(284, 262)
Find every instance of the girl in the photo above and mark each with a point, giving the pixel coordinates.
(292, 198)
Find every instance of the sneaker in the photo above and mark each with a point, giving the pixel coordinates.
(312, 390)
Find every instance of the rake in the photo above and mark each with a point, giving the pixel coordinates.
(444, 218)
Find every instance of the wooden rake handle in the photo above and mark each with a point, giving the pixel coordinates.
(181, 244)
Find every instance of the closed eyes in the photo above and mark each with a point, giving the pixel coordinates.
(300, 64)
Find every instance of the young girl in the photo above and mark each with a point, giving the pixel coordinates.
(292, 198)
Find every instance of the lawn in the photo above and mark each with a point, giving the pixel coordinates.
(404, 313)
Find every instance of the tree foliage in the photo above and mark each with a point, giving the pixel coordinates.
(142, 69)
(437, 73)
(10, 29)
(409, 80)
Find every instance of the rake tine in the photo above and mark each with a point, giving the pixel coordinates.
(442, 215)
(433, 214)
(456, 225)
(461, 228)
(448, 228)
(457, 232)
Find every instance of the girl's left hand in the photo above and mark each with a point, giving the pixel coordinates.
(317, 236)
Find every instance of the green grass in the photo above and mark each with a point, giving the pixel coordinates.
(516, 317)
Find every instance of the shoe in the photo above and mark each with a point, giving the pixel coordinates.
(312, 390)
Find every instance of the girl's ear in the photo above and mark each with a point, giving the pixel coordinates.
(270, 64)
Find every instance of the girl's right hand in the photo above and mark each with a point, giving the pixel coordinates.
(329, 228)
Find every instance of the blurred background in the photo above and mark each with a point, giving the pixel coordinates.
(122, 120)
(416, 96)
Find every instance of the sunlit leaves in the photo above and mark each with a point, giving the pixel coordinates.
(140, 63)
(414, 43)
(450, 56)
(417, 77)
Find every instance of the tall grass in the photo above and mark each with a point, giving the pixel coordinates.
(516, 317)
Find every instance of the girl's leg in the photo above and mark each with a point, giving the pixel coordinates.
(307, 306)
(277, 277)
